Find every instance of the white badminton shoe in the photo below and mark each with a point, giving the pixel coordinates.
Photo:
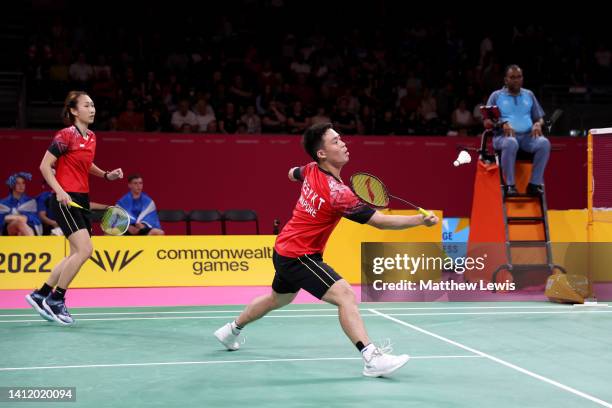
(381, 364)
(227, 337)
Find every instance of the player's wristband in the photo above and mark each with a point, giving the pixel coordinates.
(297, 174)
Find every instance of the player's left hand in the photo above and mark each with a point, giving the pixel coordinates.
(431, 220)
(115, 174)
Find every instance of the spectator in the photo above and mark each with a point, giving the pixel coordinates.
(151, 88)
(204, 114)
(102, 66)
(387, 125)
(155, 117)
(142, 210)
(49, 225)
(303, 91)
(58, 75)
(239, 93)
(263, 99)
(366, 122)
(297, 121)
(184, 120)
(299, 65)
(274, 120)
(343, 120)
(229, 121)
(285, 97)
(320, 117)
(129, 119)
(251, 121)
(213, 127)
(428, 108)
(462, 119)
(81, 73)
(18, 211)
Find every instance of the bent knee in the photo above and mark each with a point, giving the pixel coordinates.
(85, 251)
(542, 143)
(510, 143)
(344, 294)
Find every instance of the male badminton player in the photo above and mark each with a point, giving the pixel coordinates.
(72, 154)
(298, 259)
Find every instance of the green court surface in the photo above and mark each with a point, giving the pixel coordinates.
(462, 355)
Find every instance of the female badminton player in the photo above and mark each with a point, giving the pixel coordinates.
(72, 154)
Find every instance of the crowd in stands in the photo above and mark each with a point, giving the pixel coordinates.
(266, 67)
(25, 215)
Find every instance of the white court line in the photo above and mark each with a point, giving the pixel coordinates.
(277, 360)
(567, 311)
(497, 360)
(304, 310)
(501, 313)
(169, 318)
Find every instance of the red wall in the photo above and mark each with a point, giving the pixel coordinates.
(223, 172)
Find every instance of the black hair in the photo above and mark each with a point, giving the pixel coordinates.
(134, 176)
(71, 103)
(313, 139)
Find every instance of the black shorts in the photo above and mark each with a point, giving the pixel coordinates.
(307, 272)
(71, 219)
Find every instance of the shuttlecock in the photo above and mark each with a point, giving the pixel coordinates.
(463, 158)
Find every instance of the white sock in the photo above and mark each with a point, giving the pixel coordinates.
(367, 351)
(235, 328)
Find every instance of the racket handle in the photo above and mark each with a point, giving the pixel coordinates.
(77, 205)
(424, 212)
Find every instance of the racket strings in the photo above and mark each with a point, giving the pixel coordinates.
(115, 221)
(370, 189)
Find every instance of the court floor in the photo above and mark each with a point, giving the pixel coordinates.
(462, 355)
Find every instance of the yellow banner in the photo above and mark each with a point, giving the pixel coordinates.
(222, 260)
(26, 262)
(179, 261)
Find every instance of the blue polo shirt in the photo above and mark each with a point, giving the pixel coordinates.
(520, 110)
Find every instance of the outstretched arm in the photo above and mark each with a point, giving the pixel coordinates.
(399, 222)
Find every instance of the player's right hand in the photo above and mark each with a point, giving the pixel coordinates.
(64, 198)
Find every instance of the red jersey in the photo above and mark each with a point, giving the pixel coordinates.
(75, 155)
(324, 199)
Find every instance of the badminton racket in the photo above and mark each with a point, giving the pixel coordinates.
(114, 221)
(371, 190)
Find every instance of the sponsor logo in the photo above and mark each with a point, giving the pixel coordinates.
(110, 261)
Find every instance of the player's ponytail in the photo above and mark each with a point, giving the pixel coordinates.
(71, 103)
